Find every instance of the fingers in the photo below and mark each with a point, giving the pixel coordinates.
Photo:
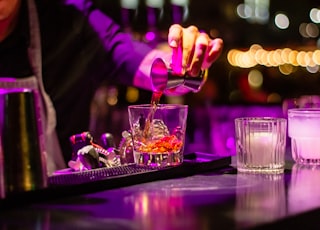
(175, 35)
(192, 50)
(182, 41)
(175, 42)
(214, 51)
(201, 46)
(189, 38)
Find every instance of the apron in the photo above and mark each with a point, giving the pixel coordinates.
(54, 158)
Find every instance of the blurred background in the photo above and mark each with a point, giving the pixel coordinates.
(270, 62)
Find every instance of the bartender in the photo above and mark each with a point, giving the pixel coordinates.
(65, 49)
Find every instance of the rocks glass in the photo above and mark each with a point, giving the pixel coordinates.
(158, 133)
(260, 144)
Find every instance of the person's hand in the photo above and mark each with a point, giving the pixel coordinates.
(192, 50)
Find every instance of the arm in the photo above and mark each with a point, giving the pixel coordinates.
(189, 51)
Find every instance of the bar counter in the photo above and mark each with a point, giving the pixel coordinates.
(221, 199)
(210, 199)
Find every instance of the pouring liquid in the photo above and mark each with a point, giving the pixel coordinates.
(155, 158)
(155, 99)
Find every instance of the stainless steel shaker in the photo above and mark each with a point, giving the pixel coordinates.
(22, 157)
(163, 78)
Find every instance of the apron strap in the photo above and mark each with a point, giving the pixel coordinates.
(54, 155)
(34, 52)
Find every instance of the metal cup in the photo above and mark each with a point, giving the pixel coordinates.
(22, 157)
(163, 78)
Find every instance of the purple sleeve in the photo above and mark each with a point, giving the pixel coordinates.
(125, 54)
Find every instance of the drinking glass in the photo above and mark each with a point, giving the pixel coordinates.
(260, 144)
(304, 131)
(158, 133)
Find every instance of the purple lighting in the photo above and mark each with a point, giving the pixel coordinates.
(150, 36)
(213, 128)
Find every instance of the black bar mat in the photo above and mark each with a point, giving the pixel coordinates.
(78, 183)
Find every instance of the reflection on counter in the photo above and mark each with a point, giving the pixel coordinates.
(262, 200)
(304, 188)
(148, 205)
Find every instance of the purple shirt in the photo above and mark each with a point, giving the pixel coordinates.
(81, 48)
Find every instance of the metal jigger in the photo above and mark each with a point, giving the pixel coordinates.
(22, 159)
(163, 78)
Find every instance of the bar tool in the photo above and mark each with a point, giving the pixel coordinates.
(163, 78)
(22, 154)
(107, 140)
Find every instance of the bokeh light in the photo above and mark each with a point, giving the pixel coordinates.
(285, 59)
(281, 21)
(315, 15)
(255, 78)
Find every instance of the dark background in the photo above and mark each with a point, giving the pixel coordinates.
(226, 94)
(219, 19)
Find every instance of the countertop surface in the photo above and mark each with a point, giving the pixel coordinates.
(221, 199)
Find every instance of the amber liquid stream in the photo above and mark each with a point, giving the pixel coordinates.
(155, 99)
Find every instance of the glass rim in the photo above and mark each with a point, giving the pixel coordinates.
(260, 119)
(159, 106)
(304, 110)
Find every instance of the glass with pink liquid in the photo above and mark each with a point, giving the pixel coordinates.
(304, 131)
